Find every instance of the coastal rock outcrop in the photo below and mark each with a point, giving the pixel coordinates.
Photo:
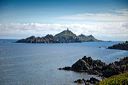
(97, 67)
(115, 67)
(91, 81)
(87, 64)
(121, 46)
(65, 68)
(80, 65)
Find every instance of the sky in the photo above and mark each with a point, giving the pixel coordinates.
(104, 19)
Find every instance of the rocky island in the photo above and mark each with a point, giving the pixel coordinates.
(97, 67)
(65, 36)
(121, 46)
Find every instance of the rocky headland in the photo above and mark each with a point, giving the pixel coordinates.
(65, 36)
(97, 67)
(121, 46)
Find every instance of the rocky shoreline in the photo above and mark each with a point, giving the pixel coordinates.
(121, 46)
(91, 81)
(97, 67)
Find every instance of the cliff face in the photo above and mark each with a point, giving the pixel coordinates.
(65, 36)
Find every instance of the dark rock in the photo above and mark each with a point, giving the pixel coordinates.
(80, 65)
(88, 60)
(94, 80)
(115, 67)
(91, 81)
(49, 39)
(65, 68)
(79, 81)
(60, 68)
(108, 71)
(65, 36)
(121, 46)
(93, 63)
(87, 64)
(84, 38)
(97, 67)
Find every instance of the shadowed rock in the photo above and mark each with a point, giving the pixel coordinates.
(121, 46)
(91, 81)
(97, 67)
(79, 81)
(80, 65)
(65, 68)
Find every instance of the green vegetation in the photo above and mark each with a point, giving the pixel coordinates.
(121, 79)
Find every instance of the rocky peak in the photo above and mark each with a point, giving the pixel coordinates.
(66, 33)
(81, 35)
(31, 37)
(65, 36)
(49, 36)
(91, 36)
(80, 65)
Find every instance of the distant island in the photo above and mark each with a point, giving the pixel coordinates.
(121, 46)
(65, 36)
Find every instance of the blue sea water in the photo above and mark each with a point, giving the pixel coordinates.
(36, 64)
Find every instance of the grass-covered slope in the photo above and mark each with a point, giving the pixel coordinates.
(121, 79)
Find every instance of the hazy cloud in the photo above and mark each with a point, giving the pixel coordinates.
(115, 30)
(105, 26)
(114, 16)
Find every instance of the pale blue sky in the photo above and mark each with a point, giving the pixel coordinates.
(46, 11)
(37, 17)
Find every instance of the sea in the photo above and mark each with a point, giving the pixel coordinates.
(37, 64)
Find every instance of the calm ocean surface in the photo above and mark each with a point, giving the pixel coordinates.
(36, 64)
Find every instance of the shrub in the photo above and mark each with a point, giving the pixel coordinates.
(121, 79)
